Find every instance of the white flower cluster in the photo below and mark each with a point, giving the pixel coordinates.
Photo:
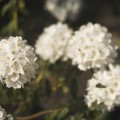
(17, 62)
(51, 45)
(91, 46)
(104, 88)
(4, 115)
(63, 9)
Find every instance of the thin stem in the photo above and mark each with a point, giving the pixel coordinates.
(30, 117)
(15, 17)
(15, 22)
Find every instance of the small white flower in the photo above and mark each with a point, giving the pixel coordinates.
(4, 115)
(104, 88)
(51, 45)
(91, 47)
(17, 62)
(10, 117)
(63, 9)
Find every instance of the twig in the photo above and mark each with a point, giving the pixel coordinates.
(30, 117)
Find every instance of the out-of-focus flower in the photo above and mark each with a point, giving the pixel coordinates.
(91, 47)
(51, 45)
(10, 117)
(104, 88)
(63, 9)
(4, 115)
(17, 62)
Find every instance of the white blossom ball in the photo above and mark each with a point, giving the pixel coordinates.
(91, 47)
(10, 117)
(4, 115)
(17, 62)
(64, 9)
(104, 88)
(51, 45)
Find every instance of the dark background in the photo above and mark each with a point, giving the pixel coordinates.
(105, 12)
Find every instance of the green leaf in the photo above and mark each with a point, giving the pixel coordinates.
(102, 116)
(53, 115)
(79, 116)
(63, 113)
(6, 8)
(8, 28)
